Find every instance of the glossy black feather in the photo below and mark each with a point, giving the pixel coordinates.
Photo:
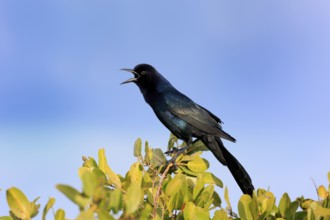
(195, 115)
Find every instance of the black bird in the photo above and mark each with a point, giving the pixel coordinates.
(187, 120)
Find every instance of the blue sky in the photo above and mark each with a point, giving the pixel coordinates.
(262, 67)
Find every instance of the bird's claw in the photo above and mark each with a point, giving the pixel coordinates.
(177, 152)
(172, 151)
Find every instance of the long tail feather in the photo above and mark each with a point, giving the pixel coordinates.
(226, 158)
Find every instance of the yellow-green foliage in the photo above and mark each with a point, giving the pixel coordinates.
(154, 188)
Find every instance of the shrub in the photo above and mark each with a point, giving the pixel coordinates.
(155, 188)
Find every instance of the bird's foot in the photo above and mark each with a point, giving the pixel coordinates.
(173, 150)
(177, 152)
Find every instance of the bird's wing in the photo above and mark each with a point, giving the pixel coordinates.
(195, 115)
(213, 115)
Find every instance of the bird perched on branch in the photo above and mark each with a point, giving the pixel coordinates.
(187, 120)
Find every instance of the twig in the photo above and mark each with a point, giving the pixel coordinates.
(156, 199)
(317, 193)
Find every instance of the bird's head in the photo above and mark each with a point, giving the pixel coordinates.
(146, 78)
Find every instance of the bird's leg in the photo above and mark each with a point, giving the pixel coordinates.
(178, 152)
(182, 149)
(175, 150)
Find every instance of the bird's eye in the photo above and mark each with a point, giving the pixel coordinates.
(143, 73)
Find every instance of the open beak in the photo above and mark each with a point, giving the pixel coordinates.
(134, 79)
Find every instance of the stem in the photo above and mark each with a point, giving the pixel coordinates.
(156, 199)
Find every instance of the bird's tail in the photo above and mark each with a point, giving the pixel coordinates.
(226, 158)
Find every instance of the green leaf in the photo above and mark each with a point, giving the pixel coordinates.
(326, 202)
(322, 192)
(220, 214)
(199, 186)
(305, 203)
(284, 204)
(103, 165)
(150, 196)
(310, 214)
(35, 207)
(100, 194)
(267, 203)
(135, 173)
(6, 218)
(19, 204)
(146, 212)
(261, 191)
(187, 188)
(48, 206)
(193, 212)
(198, 165)
(104, 215)
(115, 200)
(134, 198)
(137, 147)
(148, 153)
(86, 215)
(185, 170)
(175, 202)
(254, 209)
(205, 196)
(146, 180)
(227, 197)
(60, 215)
(190, 157)
(300, 215)
(89, 162)
(197, 147)
(216, 199)
(92, 178)
(209, 178)
(174, 185)
(244, 207)
(158, 158)
(292, 209)
(319, 211)
(172, 141)
(74, 195)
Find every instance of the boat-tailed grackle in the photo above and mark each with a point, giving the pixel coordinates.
(187, 120)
